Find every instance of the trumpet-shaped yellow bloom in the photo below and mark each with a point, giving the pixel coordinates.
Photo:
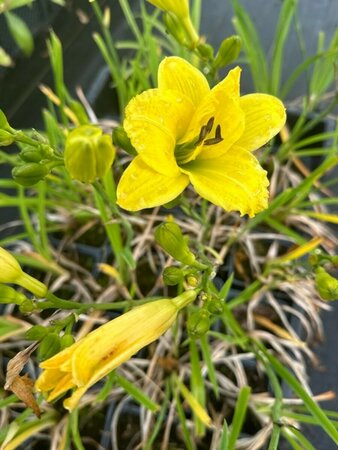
(84, 363)
(184, 132)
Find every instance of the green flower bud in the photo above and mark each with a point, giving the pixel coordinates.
(36, 333)
(88, 154)
(30, 173)
(66, 341)
(215, 306)
(192, 280)
(50, 345)
(206, 51)
(27, 306)
(198, 323)
(228, 52)
(326, 285)
(121, 139)
(174, 27)
(6, 138)
(172, 276)
(10, 295)
(31, 154)
(4, 122)
(169, 236)
(11, 272)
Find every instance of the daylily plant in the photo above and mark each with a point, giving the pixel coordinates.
(184, 132)
(91, 358)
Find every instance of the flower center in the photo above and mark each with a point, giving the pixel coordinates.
(186, 152)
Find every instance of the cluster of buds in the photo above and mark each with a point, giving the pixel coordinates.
(192, 273)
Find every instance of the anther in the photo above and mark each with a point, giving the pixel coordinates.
(210, 124)
(215, 140)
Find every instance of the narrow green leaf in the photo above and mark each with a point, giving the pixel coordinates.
(20, 33)
(197, 384)
(310, 404)
(207, 357)
(137, 393)
(239, 416)
(190, 445)
(252, 47)
(224, 443)
(281, 35)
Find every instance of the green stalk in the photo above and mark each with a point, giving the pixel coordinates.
(113, 232)
(74, 428)
(41, 210)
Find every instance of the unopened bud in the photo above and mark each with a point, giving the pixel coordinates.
(4, 122)
(11, 295)
(6, 138)
(30, 154)
(27, 306)
(172, 276)
(192, 280)
(206, 51)
(169, 236)
(198, 323)
(326, 285)
(50, 345)
(215, 306)
(121, 139)
(30, 173)
(88, 154)
(228, 52)
(66, 341)
(36, 333)
(11, 272)
(174, 27)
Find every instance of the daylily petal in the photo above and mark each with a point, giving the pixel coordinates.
(264, 118)
(48, 379)
(231, 83)
(72, 402)
(222, 105)
(176, 74)
(153, 120)
(57, 361)
(235, 181)
(62, 386)
(142, 187)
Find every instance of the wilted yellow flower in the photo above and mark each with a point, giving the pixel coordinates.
(88, 154)
(186, 133)
(11, 272)
(178, 7)
(84, 363)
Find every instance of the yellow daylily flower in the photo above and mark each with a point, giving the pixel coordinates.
(91, 358)
(184, 132)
